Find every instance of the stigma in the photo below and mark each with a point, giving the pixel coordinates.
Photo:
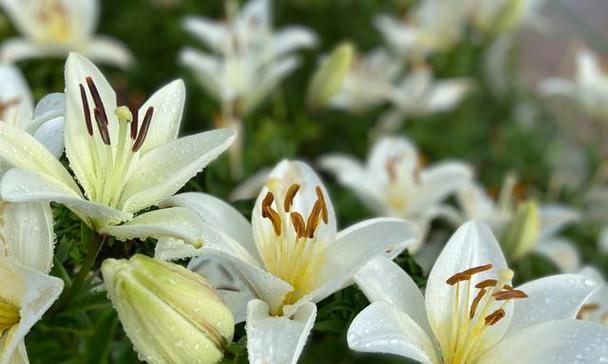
(475, 310)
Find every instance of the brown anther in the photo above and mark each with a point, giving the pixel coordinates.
(266, 202)
(143, 131)
(87, 111)
(476, 270)
(507, 287)
(275, 219)
(97, 99)
(494, 317)
(590, 307)
(321, 199)
(391, 168)
(289, 196)
(298, 224)
(475, 303)
(486, 283)
(458, 277)
(135, 123)
(102, 126)
(313, 220)
(509, 294)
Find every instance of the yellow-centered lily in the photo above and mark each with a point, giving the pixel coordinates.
(125, 161)
(394, 182)
(53, 28)
(26, 291)
(471, 314)
(290, 256)
(523, 227)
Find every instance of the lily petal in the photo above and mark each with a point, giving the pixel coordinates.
(292, 38)
(109, 51)
(210, 32)
(440, 181)
(14, 88)
(562, 253)
(168, 103)
(558, 297)
(20, 149)
(447, 94)
(14, 50)
(20, 185)
(28, 234)
(383, 280)
(50, 134)
(472, 245)
(355, 247)
(165, 169)
(177, 222)
(38, 293)
(383, 328)
(218, 214)
(554, 217)
(277, 339)
(205, 67)
(49, 107)
(556, 342)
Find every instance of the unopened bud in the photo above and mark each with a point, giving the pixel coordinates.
(522, 232)
(330, 75)
(171, 314)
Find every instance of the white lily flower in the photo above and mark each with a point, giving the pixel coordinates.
(589, 88)
(27, 291)
(124, 162)
(596, 307)
(368, 83)
(470, 314)
(54, 28)
(433, 26)
(419, 94)
(290, 256)
(499, 16)
(248, 58)
(45, 122)
(477, 204)
(394, 183)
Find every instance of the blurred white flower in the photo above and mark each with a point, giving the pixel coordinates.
(27, 291)
(369, 82)
(470, 314)
(596, 307)
(394, 183)
(45, 122)
(589, 88)
(247, 58)
(418, 95)
(53, 28)
(290, 256)
(499, 16)
(499, 215)
(432, 26)
(123, 162)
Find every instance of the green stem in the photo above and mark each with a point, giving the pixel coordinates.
(95, 242)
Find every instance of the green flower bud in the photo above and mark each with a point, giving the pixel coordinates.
(328, 78)
(522, 232)
(171, 315)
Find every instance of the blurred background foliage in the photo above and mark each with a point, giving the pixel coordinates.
(496, 133)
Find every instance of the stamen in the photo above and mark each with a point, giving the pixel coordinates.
(266, 202)
(475, 303)
(97, 99)
(87, 111)
(458, 277)
(313, 220)
(298, 224)
(590, 307)
(103, 127)
(494, 317)
(506, 286)
(487, 283)
(269, 213)
(480, 269)
(135, 123)
(143, 131)
(289, 196)
(391, 169)
(321, 198)
(509, 294)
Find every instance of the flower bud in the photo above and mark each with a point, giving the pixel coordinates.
(171, 314)
(328, 78)
(522, 232)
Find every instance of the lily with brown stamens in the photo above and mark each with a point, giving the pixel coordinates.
(290, 257)
(121, 161)
(471, 314)
(595, 308)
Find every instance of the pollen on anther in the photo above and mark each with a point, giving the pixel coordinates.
(298, 224)
(476, 270)
(509, 294)
(87, 111)
(321, 199)
(486, 283)
(143, 131)
(289, 196)
(494, 317)
(458, 277)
